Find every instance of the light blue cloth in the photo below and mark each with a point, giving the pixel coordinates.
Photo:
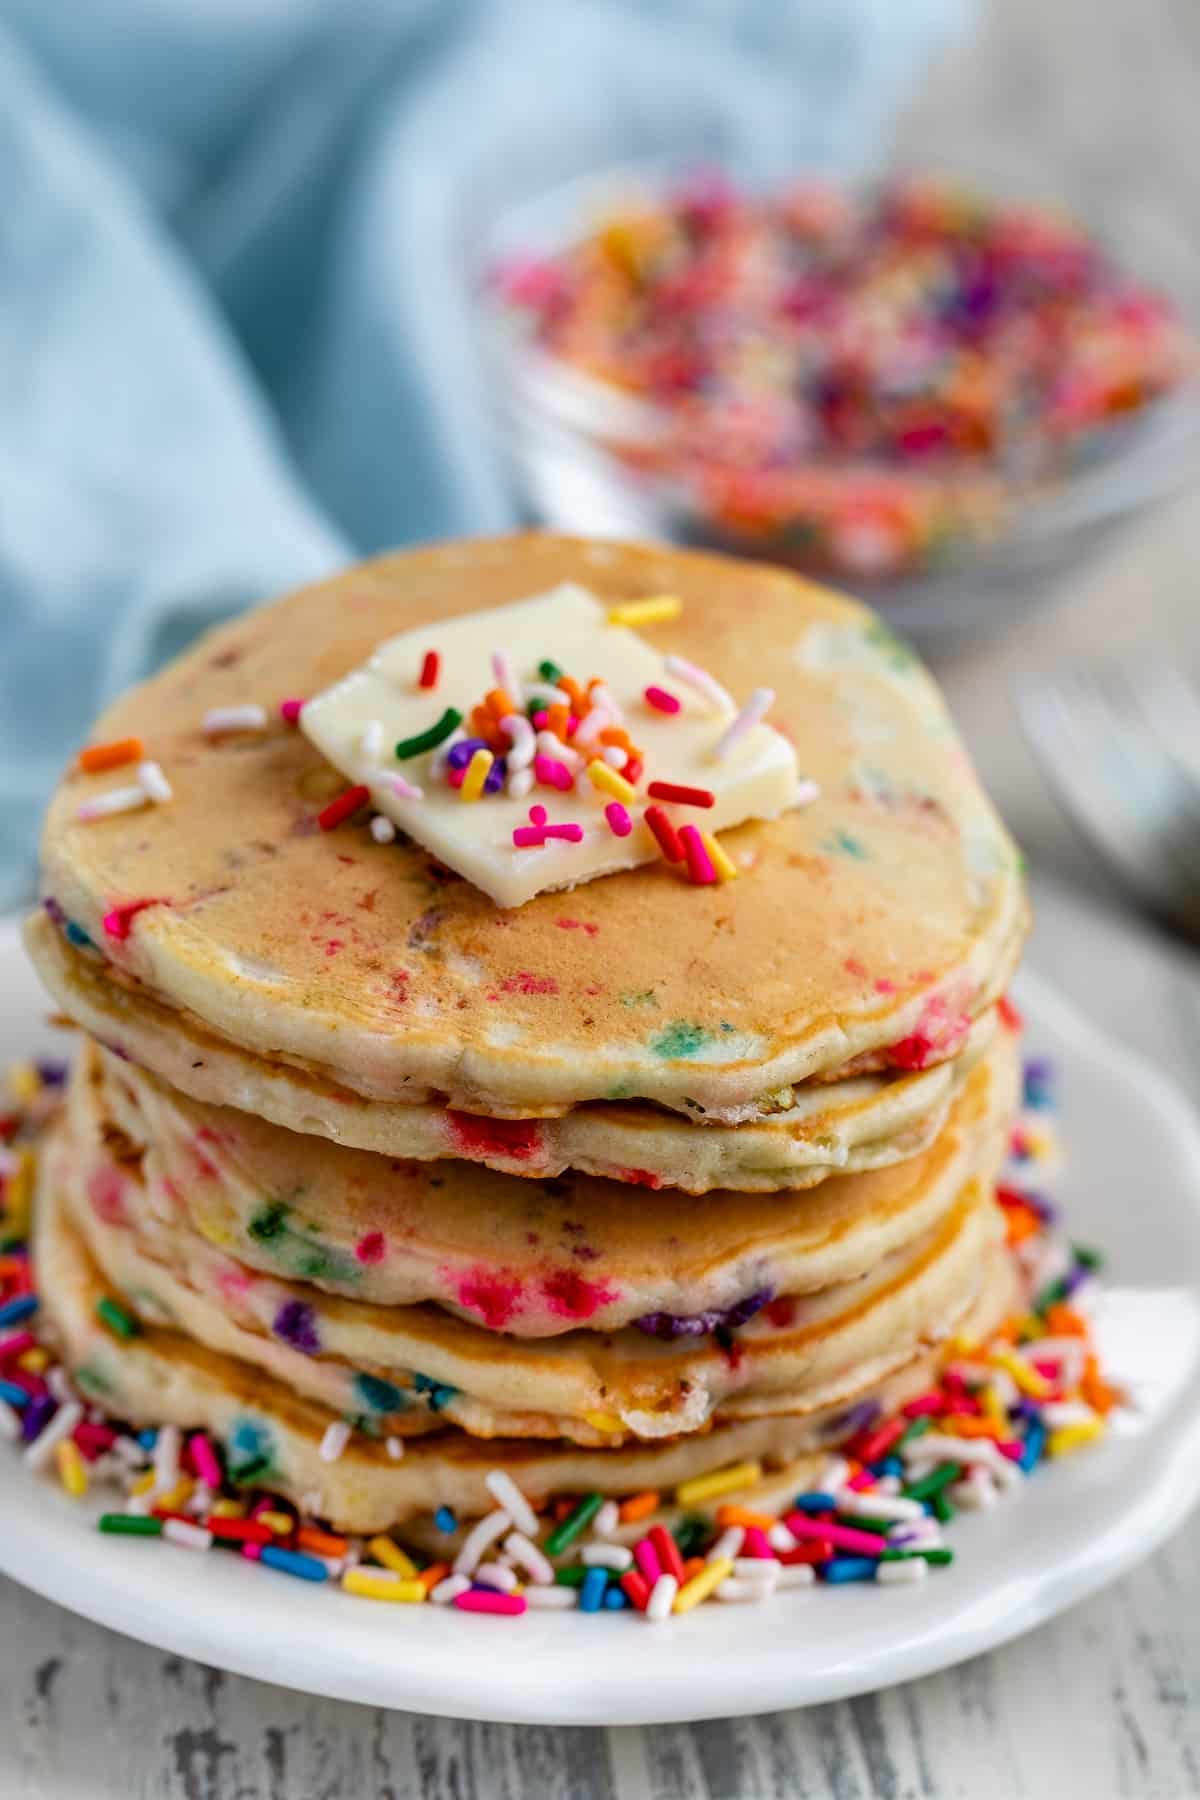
(236, 343)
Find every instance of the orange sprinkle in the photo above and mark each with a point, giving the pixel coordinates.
(742, 1515)
(1063, 1321)
(617, 734)
(111, 756)
(970, 1425)
(580, 704)
(430, 1577)
(1022, 1222)
(483, 725)
(499, 703)
(1100, 1396)
(692, 1566)
(639, 1506)
(557, 719)
(323, 1543)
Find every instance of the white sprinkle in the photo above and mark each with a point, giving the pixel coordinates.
(522, 737)
(117, 800)
(502, 669)
(190, 1537)
(130, 1452)
(662, 1599)
(753, 713)
(527, 1556)
(166, 1457)
(506, 1493)
(520, 783)
(371, 742)
(603, 697)
(909, 1568)
(550, 745)
(1066, 1412)
(449, 1589)
(614, 756)
(556, 1599)
(199, 1500)
(834, 1476)
(977, 1493)
(728, 1544)
(154, 783)
(404, 788)
(480, 1537)
(878, 1506)
(761, 1569)
(598, 720)
(545, 695)
(10, 1422)
(607, 1556)
(795, 1575)
(806, 793)
(219, 719)
(382, 830)
(495, 1575)
(394, 1447)
(752, 1592)
(38, 1454)
(780, 1538)
(701, 682)
(337, 1436)
(605, 1523)
(59, 1383)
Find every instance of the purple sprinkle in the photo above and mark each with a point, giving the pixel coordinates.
(54, 911)
(460, 754)
(1039, 1069)
(37, 1416)
(53, 1074)
(1078, 1275)
(677, 1325)
(856, 1418)
(296, 1324)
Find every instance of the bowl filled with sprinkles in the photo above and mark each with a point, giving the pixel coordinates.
(913, 387)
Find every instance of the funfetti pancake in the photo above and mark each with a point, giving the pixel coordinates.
(161, 1377)
(530, 1258)
(866, 928)
(400, 1363)
(794, 1138)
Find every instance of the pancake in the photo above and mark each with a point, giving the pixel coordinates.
(811, 1130)
(399, 1364)
(531, 1258)
(161, 1377)
(867, 930)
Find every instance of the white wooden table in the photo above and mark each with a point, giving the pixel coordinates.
(1103, 1702)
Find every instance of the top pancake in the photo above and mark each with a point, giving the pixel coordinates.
(874, 923)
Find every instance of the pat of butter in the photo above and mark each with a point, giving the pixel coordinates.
(358, 722)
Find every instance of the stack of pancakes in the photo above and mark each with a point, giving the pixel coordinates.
(608, 1190)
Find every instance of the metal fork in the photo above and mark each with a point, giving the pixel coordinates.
(1120, 746)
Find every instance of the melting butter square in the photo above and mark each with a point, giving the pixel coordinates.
(568, 627)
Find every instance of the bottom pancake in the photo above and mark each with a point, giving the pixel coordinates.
(273, 1439)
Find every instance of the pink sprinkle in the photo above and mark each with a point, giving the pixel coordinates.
(456, 777)
(371, 1247)
(204, 1460)
(488, 1600)
(16, 1342)
(289, 711)
(699, 862)
(864, 1479)
(619, 821)
(537, 815)
(924, 1406)
(755, 1544)
(1013, 1448)
(529, 837)
(93, 1440)
(119, 921)
(539, 719)
(844, 1537)
(646, 1558)
(552, 773)
(572, 834)
(252, 1552)
(661, 700)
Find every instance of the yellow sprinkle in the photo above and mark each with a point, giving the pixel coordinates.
(1072, 1437)
(702, 1585)
(646, 612)
(143, 1484)
(18, 1194)
(609, 782)
(374, 1584)
(24, 1083)
(72, 1471)
(726, 870)
(602, 1421)
(721, 1481)
(276, 1521)
(392, 1556)
(959, 1345)
(1027, 1379)
(228, 1509)
(35, 1361)
(176, 1497)
(478, 770)
(989, 1399)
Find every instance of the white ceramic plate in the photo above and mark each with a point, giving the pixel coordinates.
(1132, 1187)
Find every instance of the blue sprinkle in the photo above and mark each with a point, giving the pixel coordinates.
(815, 1503)
(78, 936)
(591, 1594)
(1035, 1443)
(615, 1598)
(294, 1562)
(23, 1307)
(148, 1438)
(16, 1396)
(891, 1465)
(445, 1520)
(849, 1568)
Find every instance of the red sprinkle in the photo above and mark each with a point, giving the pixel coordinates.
(118, 922)
(1009, 1014)
(342, 807)
(877, 1443)
(665, 832)
(682, 796)
(667, 1551)
(430, 669)
(699, 862)
(634, 1584)
(241, 1531)
(661, 701)
(289, 711)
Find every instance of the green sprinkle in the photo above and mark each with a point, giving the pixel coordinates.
(933, 1483)
(130, 1525)
(1050, 1296)
(917, 1429)
(1091, 1259)
(122, 1324)
(572, 1577)
(248, 1471)
(573, 1524)
(691, 1532)
(940, 1557)
(943, 1512)
(882, 1526)
(550, 671)
(437, 734)
(682, 1038)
